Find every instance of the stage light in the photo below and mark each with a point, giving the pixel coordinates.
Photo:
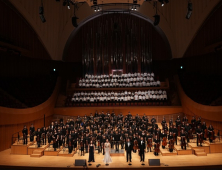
(68, 6)
(189, 10)
(132, 8)
(74, 21)
(94, 2)
(156, 19)
(41, 10)
(42, 18)
(162, 4)
(64, 3)
(181, 67)
(95, 9)
(54, 69)
(98, 9)
(135, 8)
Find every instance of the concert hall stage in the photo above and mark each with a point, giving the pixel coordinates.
(10, 161)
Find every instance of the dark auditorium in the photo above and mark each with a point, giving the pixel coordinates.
(110, 84)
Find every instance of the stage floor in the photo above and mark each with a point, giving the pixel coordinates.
(117, 161)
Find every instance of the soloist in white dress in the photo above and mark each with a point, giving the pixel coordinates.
(107, 159)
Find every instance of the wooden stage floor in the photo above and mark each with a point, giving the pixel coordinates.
(10, 161)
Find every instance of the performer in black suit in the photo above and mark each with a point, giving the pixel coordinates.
(142, 149)
(199, 135)
(70, 144)
(128, 148)
(32, 131)
(38, 136)
(25, 134)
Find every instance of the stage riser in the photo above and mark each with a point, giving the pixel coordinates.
(51, 153)
(215, 147)
(31, 150)
(185, 152)
(20, 150)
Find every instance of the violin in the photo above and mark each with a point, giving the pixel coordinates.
(164, 142)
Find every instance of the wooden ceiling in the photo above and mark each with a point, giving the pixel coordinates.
(57, 29)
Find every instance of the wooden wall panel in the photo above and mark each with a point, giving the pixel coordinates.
(208, 37)
(13, 120)
(81, 111)
(16, 31)
(210, 114)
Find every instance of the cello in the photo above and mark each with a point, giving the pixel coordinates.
(200, 138)
(171, 144)
(157, 147)
(164, 142)
(135, 146)
(149, 143)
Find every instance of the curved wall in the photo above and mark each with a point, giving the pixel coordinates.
(209, 114)
(13, 120)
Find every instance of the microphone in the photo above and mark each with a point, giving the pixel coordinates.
(98, 165)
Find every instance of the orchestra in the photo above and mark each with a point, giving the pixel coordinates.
(134, 131)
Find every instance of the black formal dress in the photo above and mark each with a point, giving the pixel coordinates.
(128, 148)
(91, 153)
